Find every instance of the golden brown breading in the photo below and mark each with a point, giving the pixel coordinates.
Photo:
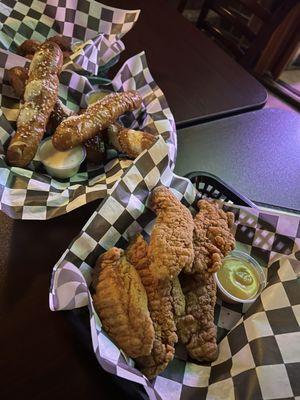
(121, 302)
(212, 241)
(196, 330)
(212, 237)
(171, 243)
(161, 311)
(177, 298)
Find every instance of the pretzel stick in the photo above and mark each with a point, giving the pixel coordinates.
(98, 116)
(39, 99)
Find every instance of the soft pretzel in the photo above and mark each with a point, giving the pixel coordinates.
(98, 116)
(39, 99)
(63, 42)
(129, 141)
(17, 77)
(95, 150)
(28, 47)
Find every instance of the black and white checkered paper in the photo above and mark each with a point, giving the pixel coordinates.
(97, 27)
(31, 193)
(259, 346)
(95, 53)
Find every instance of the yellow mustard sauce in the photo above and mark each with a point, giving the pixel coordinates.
(239, 278)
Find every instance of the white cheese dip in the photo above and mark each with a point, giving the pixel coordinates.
(61, 164)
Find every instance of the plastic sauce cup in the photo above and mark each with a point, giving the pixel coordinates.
(230, 298)
(60, 164)
(95, 95)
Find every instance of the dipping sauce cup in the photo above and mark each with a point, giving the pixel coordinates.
(60, 164)
(95, 95)
(240, 279)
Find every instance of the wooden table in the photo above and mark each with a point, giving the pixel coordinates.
(257, 153)
(200, 81)
(45, 355)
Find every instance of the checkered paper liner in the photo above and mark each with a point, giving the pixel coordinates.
(259, 347)
(30, 193)
(95, 53)
(97, 26)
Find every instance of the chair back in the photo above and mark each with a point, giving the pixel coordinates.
(243, 27)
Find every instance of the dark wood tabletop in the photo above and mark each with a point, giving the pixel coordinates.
(45, 354)
(256, 153)
(200, 81)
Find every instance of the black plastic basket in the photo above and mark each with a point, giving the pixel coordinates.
(80, 320)
(208, 185)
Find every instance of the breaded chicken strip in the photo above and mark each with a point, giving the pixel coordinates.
(196, 330)
(171, 243)
(178, 299)
(212, 242)
(161, 310)
(121, 302)
(212, 237)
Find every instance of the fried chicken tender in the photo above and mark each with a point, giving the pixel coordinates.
(161, 310)
(121, 302)
(212, 241)
(171, 243)
(178, 299)
(212, 237)
(196, 330)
